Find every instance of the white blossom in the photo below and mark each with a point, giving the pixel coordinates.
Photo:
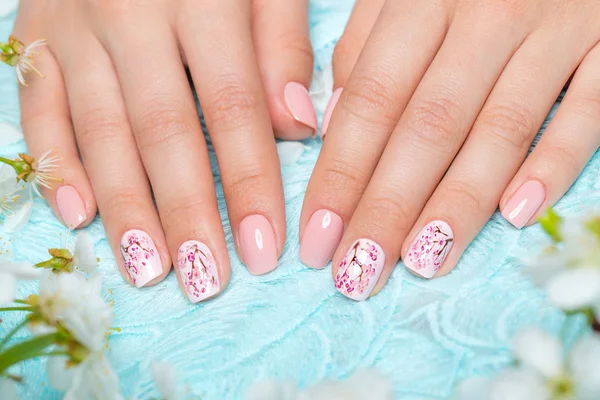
(84, 256)
(289, 152)
(164, 376)
(43, 171)
(9, 190)
(8, 389)
(10, 273)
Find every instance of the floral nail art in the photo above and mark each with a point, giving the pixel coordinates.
(198, 271)
(429, 250)
(360, 269)
(142, 260)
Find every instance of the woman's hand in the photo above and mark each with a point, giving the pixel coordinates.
(116, 91)
(436, 115)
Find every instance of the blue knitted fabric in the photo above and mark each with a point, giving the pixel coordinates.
(292, 324)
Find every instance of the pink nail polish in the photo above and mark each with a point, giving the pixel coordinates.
(321, 237)
(523, 205)
(257, 243)
(70, 206)
(142, 260)
(329, 110)
(428, 251)
(198, 271)
(300, 104)
(360, 269)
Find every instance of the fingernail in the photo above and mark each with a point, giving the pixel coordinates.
(428, 251)
(300, 104)
(321, 237)
(198, 271)
(524, 203)
(329, 110)
(71, 206)
(257, 243)
(142, 260)
(360, 269)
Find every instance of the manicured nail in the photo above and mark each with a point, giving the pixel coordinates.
(329, 110)
(257, 243)
(430, 248)
(524, 203)
(71, 206)
(321, 237)
(142, 260)
(198, 270)
(300, 104)
(360, 269)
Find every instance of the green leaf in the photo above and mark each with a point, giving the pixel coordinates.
(29, 349)
(551, 223)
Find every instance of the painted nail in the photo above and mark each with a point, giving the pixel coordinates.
(429, 250)
(329, 110)
(257, 243)
(71, 206)
(360, 269)
(198, 270)
(524, 203)
(321, 237)
(142, 260)
(300, 105)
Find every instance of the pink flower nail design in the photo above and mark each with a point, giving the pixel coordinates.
(198, 271)
(360, 269)
(141, 258)
(429, 250)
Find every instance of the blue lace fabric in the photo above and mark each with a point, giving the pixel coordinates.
(291, 324)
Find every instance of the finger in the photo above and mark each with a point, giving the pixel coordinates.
(169, 137)
(369, 109)
(285, 58)
(112, 162)
(230, 91)
(495, 149)
(428, 136)
(568, 143)
(46, 122)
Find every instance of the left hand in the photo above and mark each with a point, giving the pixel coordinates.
(432, 128)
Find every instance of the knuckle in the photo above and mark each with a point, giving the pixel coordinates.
(231, 106)
(97, 127)
(370, 99)
(297, 42)
(435, 122)
(559, 155)
(341, 177)
(252, 180)
(389, 208)
(183, 209)
(511, 125)
(123, 202)
(586, 103)
(463, 195)
(159, 126)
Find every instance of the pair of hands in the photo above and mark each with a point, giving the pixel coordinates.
(436, 107)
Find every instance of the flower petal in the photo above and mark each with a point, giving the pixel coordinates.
(518, 384)
(164, 376)
(9, 389)
(584, 366)
(9, 133)
(573, 289)
(21, 270)
(538, 350)
(85, 258)
(289, 152)
(8, 287)
(59, 374)
(17, 220)
(477, 388)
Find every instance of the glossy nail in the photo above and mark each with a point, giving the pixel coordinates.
(300, 105)
(257, 243)
(321, 237)
(141, 257)
(329, 110)
(360, 269)
(70, 206)
(524, 204)
(428, 251)
(198, 271)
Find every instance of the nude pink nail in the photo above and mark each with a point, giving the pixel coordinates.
(142, 261)
(321, 237)
(257, 243)
(524, 204)
(329, 111)
(70, 206)
(360, 269)
(300, 105)
(429, 250)
(198, 271)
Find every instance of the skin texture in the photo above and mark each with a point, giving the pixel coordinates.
(438, 110)
(117, 94)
